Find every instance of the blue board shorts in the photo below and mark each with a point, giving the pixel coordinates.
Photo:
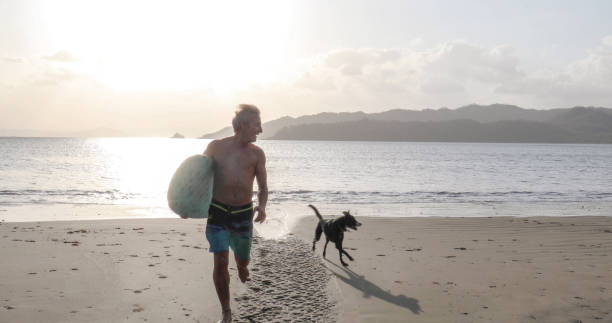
(230, 227)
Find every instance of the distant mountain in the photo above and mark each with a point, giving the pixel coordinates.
(270, 128)
(479, 113)
(577, 125)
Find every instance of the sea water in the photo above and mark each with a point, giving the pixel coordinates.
(367, 178)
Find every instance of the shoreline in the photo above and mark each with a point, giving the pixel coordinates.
(431, 269)
(286, 213)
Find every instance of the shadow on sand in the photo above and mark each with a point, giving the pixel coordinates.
(370, 289)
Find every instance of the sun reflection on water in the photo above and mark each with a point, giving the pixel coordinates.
(144, 167)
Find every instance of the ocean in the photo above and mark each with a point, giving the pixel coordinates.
(48, 178)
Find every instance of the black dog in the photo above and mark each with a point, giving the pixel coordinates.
(334, 231)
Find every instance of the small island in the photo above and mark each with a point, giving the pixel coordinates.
(178, 136)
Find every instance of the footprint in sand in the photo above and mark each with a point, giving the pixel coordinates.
(137, 308)
(460, 248)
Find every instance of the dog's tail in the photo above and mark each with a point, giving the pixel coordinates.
(316, 212)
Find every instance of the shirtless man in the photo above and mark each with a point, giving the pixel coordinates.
(237, 162)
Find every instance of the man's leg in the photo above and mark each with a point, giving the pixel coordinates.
(221, 278)
(243, 271)
(240, 242)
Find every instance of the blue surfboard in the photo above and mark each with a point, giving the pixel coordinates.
(191, 188)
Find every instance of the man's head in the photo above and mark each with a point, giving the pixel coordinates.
(246, 122)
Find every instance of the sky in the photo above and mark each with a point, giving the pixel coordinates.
(153, 68)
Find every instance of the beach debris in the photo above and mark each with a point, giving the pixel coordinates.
(78, 231)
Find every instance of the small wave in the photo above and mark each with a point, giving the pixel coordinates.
(390, 197)
(71, 196)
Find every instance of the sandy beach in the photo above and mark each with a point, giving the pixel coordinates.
(502, 269)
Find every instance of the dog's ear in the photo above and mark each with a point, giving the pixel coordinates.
(346, 213)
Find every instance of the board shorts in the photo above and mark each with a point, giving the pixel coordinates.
(230, 227)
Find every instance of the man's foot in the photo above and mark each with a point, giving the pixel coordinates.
(243, 274)
(227, 316)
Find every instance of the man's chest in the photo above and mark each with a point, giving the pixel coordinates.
(236, 160)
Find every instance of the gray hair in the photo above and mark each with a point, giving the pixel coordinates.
(243, 113)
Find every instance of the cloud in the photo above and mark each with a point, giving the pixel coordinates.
(15, 60)
(61, 56)
(451, 74)
(466, 62)
(54, 77)
(352, 62)
(586, 81)
(456, 73)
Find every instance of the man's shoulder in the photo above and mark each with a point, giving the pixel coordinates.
(220, 142)
(256, 149)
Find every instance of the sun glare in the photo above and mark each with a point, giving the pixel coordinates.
(155, 45)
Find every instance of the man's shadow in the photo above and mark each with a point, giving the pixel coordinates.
(370, 289)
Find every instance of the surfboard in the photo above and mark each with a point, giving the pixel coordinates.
(191, 187)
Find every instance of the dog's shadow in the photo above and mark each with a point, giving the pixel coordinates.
(370, 289)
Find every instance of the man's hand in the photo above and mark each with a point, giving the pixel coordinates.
(261, 214)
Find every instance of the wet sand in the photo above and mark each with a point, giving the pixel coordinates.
(546, 269)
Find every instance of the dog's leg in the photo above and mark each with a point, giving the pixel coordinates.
(339, 247)
(318, 233)
(346, 253)
(325, 248)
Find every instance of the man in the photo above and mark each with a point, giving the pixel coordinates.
(237, 162)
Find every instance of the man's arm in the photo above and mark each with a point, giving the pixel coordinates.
(262, 182)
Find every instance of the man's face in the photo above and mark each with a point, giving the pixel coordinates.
(251, 128)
